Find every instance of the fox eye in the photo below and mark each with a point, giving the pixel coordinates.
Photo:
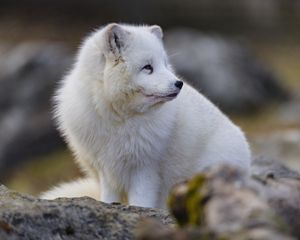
(148, 68)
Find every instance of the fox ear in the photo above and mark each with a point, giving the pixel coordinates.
(157, 31)
(116, 38)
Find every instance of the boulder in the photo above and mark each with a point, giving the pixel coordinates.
(224, 70)
(289, 112)
(28, 75)
(283, 196)
(269, 168)
(26, 217)
(224, 204)
(281, 144)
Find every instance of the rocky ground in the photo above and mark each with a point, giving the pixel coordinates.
(220, 204)
(25, 217)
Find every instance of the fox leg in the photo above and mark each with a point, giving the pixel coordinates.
(144, 187)
(108, 193)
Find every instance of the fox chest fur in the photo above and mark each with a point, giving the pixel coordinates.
(118, 148)
(131, 144)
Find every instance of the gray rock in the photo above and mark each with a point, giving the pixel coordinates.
(289, 113)
(224, 70)
(281, 187)
(268, 168)
(218, 204)
(28, 75)
(283, 196)
(24, 217)
(281, 144)
(223, 204)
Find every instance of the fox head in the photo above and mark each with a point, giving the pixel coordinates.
(129, 68)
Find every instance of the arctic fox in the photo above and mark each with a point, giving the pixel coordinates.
(133, 125)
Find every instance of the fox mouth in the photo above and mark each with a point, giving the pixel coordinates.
(167, 96)
(172, 95)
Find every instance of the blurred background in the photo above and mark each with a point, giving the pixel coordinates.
(242, 54)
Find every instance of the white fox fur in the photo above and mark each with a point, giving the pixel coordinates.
(120, 114)
(79, 188)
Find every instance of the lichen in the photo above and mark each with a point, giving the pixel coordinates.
(187, 202)
(195, 200)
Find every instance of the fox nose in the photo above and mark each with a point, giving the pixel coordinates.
(179, 84)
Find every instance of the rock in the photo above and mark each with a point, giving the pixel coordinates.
(281, 184)
(224, 70)
(153, 230)
(280, 144)
(218, 204)
(223, 204)
(24, 217)
(289, 112)
(268, 168)
(28, 75)
(282, 191)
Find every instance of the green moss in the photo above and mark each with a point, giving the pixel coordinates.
(195, 199)
(187, 202)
